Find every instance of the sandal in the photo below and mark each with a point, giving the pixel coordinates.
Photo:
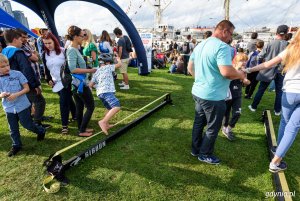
(64, 130)
(85, 134)
(89, 130)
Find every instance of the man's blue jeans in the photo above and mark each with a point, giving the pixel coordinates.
(208, 113)
(26, 121)
(263, 87)
(289, 122)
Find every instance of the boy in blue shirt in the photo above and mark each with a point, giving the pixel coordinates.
(13, 89)
(104, 83)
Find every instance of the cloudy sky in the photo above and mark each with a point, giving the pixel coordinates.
(245, 14)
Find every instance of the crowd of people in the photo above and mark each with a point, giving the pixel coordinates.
(214, 62)
(90, 67)
(219, 69)
(175, 54)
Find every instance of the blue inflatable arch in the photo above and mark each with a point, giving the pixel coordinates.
(45, 9)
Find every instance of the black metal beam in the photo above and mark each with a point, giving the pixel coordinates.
(102, 143)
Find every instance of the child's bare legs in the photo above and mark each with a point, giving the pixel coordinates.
(106, 111)
(104, 125)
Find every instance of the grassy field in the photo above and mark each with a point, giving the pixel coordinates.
(151, 161)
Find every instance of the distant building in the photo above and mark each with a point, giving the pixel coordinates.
(19, 15)
(6, 6)
(264, 33)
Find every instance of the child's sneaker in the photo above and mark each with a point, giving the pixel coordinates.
(13, 151)
(228, 133)
(277, 168)
(224, 130)
(125, 87)
(209, 159)
(231, 136)
(121, 83)
(251, 108)
(277, 113)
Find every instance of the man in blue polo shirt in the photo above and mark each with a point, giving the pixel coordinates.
(13, 89)
(211, 65)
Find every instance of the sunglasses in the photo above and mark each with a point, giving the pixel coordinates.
(83, 35)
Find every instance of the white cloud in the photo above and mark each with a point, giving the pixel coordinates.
(244, 14)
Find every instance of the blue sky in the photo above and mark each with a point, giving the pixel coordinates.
(244, 14)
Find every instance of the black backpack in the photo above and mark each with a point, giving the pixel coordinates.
(128, 44)
(65, 73)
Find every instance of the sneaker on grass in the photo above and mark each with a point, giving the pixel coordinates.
(125, 87)
(277, 167)
(277, 113)
(251, 108)
(13, 151)
(209, 159)
(121, 83)
(46, 126)
(228, 133)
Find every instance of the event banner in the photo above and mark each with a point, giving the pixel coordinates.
(147, 41)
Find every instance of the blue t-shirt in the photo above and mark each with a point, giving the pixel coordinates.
(14, 83)
(207, 56)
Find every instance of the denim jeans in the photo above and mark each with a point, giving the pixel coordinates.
(208, 113)
(262, 88)
(173, 68)
(289, 122)
(66, 104)
(26, 121)
(84, 99)
(272, 86)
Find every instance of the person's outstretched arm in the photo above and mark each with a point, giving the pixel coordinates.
(266, 65)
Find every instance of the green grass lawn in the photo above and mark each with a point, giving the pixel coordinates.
(151, 161)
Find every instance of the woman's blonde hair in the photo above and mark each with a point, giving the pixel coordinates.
(90, 38)
(3, 58)
(293, 54)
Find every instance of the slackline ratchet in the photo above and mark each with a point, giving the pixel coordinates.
(56, 167)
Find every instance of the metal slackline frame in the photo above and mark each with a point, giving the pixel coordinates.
(279, 179)
(56, 167)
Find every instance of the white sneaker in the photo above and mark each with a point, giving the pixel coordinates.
(121, 84)
(252, 109)
(125, 87)
(277, 113)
